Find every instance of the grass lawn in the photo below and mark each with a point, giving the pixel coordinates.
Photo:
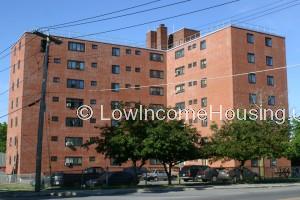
(15, 187)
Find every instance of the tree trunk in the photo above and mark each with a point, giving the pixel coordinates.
(168, 172)
(135, 172)
(242, 169)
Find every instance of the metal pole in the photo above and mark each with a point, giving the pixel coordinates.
(41, 120)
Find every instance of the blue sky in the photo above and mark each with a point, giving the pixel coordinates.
(19, 16)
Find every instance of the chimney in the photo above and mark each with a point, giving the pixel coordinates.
(151, 40)
(162, 37)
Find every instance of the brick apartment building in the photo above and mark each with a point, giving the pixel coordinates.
(80, 70)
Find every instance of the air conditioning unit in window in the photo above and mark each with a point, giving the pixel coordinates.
(69, 105)
(69, 144)
(69, 165)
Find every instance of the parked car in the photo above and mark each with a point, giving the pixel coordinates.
(192, 172)
(231, 175)
(112, 179)
(139, 171)
(156, 175)
(75, 179)
(246, 173)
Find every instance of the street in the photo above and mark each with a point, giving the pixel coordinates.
(193, 193)
(212, 194)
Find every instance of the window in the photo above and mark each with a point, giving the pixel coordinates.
(128, 68)
(271, 100)
(115, 69)
(18, 83)
(94, 65)
(203, 45)
(251, 58)
(190, 65)
(114, 123)
(204, 102)
(252, 78)
(93, 83)
(14, 68)
(17, 102)
(115, 87)
(268, 42)
(180, 105)
(157, 91)
(137, 69)
(115, 105)
(156, 57)
(19, 64)
(55, 99)
(156, 74)
(179, 53)
(250, 38)
(128, 51)
(194, 64)
(16, 121)
(92, 158)
(127, 85)
(270, 80)
(94, 46)
(93, 102)
(74, 64)
(269, 61)
(252, 98)
(116, 51)
(192, 83)
(113, 162)
(93, 120)
(73, 103)
(138, 52)
(73, 83)
(179, 71)
(179, 88)
(193, 46)
(273, 162)
(74, 122)
(195, 101)
(204, 83)
(204, 123)
(203, 63)
(154, 162)
(54, 118)
(54, 138)
(76, 46)
(254, 163)
(57, 60)
(53, 158)
(56, 79)
(190, 102)
(12, 105)
(137, 87)
(73, 161)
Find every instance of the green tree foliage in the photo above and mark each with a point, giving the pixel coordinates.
(172, 142)
(244, 140)
(138, 140)
(294, 150)
(3, 132)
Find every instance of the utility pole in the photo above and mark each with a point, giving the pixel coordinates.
(45, 43)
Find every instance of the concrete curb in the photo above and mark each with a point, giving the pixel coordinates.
(103, 192)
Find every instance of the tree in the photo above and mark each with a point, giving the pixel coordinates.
(244, 140)
(172, 142)
(3, 133)
(124, 141)
(294, 149)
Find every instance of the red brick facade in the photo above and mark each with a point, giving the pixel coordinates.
(223, 54)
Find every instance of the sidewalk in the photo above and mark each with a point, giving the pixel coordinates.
(107, 192)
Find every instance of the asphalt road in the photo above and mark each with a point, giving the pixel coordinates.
(196, 193)
(282, 193)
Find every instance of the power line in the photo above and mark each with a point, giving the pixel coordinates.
(158, 20)
(120, 16)
(101, 15)
(80, 20)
